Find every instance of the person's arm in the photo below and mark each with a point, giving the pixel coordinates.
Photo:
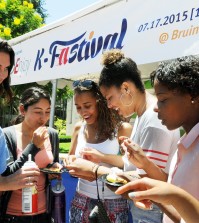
(25, 177)
(137, 156)
(85, 169)
(33, 148)
(167, 195)
(125, 129)
(17, 164)
(94, 155)
(74, 138)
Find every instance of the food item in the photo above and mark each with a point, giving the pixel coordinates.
(113, 178)
(53, 169)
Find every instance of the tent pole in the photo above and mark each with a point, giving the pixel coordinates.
(53, 100)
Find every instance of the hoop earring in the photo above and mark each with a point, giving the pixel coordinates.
(130, 102)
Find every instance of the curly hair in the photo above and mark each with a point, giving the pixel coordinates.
(117, 69)
(5, 85)
(108, 120)
(181, 74)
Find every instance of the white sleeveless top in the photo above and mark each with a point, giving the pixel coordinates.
(108, 147)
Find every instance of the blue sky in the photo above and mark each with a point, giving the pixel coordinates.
(59, 8)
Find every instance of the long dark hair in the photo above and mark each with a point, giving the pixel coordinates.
(108, 120)
(5, 85)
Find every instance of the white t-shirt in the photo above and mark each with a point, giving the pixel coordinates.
(108, 147)
(155, 139)
(4, 154)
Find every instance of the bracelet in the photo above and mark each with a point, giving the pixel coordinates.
(96, 171)
(94, 168)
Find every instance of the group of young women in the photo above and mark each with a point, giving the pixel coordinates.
(152, 147)
(149, 148)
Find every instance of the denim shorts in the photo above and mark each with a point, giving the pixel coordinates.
(146, 216)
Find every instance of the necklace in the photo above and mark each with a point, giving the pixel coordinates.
(95, 135)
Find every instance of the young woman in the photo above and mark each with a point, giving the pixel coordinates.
(99, 129)
(35, 109)
(20, 178)
(176, 85)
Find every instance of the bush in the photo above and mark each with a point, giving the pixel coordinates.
(64, 138)
(64, 147)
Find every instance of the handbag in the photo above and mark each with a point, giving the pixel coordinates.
(98, 213)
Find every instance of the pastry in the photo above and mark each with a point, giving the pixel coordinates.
(53, 169)
(113, 178)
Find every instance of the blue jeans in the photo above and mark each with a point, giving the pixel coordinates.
(146, 216)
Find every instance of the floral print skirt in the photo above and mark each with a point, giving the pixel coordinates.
(81, 206)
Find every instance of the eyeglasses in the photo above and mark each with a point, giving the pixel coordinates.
(88, 84)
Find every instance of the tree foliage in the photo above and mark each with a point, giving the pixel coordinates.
(18, 17)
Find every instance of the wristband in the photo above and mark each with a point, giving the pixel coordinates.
(94, 169)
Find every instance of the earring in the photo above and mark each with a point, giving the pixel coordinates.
(192, 101)
(131, 99)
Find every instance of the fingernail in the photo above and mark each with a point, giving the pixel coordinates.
(131, 195)
(151, 207)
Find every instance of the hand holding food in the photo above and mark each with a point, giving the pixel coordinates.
(39, 136)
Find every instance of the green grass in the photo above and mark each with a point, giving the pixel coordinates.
(64, 147)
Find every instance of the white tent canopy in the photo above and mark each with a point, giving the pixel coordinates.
(147, 31)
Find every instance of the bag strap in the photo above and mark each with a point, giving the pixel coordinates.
(98, 197)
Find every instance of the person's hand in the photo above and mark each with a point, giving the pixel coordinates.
(68, 159)
(92, 155)
(126, 177)
(24, 177)
(82, 168)
(134, 152)
(146, 189)
(55, 176)
(39, 136)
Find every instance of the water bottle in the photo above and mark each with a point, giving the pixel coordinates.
(29, 194)
(58, 203)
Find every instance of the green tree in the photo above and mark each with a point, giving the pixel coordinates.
(18, 17)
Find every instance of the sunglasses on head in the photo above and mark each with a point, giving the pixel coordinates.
(83, 83)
